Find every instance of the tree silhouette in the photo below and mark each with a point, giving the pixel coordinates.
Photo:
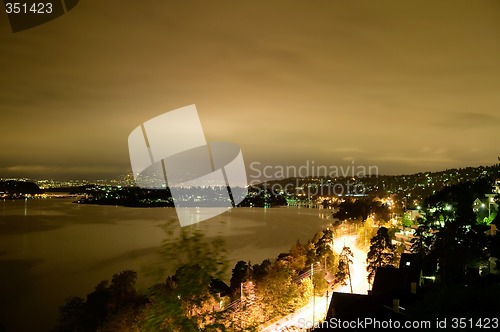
(381, 252)
(343, 267)
(424, 238)
(241, 273)
(460, 242)
(71, 315)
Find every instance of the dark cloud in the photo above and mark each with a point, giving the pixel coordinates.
(288, 81)
(471, 120)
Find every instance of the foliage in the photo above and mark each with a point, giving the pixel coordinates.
(488, 220)
(319, 282)
(495, 245)
(279, 290)
(471, 301)
(246, 317)
(185, 301)
(354, 209)
(460, 242)
(365, 233)
(18, 189)
(242, 272)
(306, 289)
(71, 315)
(298, 256)
(424, 238)
(381, 253)
(126, 320)
(343, 268)
(191, 248)
(188, 299)
(406, 221)
(243, 318)
(360, 209)
(105, 306)
(261, 270)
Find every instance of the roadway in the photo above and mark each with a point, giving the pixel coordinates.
(360, 283)
(302, 319)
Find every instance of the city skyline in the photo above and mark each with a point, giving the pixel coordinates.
(404, 87)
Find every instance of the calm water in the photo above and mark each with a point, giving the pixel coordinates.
(51, 249)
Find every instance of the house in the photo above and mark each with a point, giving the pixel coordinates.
(477, 205)
(399, 283)
(345, 307)
(222, 291)
(405, 235)
(415, 214)
(412, 272)
(393, 288)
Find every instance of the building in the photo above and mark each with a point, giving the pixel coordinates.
(393, 289)
(405, 235)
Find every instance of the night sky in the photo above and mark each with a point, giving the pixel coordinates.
(406, 86)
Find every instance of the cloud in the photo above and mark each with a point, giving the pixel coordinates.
(469, 120)
(284, 81)
(41, 170)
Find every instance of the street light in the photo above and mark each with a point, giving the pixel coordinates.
(326, 303)
(490, 201)
(349, 271)
(314, 291)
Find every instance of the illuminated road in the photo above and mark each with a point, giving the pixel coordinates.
(302, 319)
(360, 284)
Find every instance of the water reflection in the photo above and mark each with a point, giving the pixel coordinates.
(52, 248)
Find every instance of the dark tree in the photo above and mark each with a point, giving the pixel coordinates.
(242, 272)
(122, 291)
(96, 309)
(15, 188)
(460, 242)
(297, 257)
(343, 268)
(381, 252)
(71, 315)
(262, 269)
(424, 238)
(193, 283)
